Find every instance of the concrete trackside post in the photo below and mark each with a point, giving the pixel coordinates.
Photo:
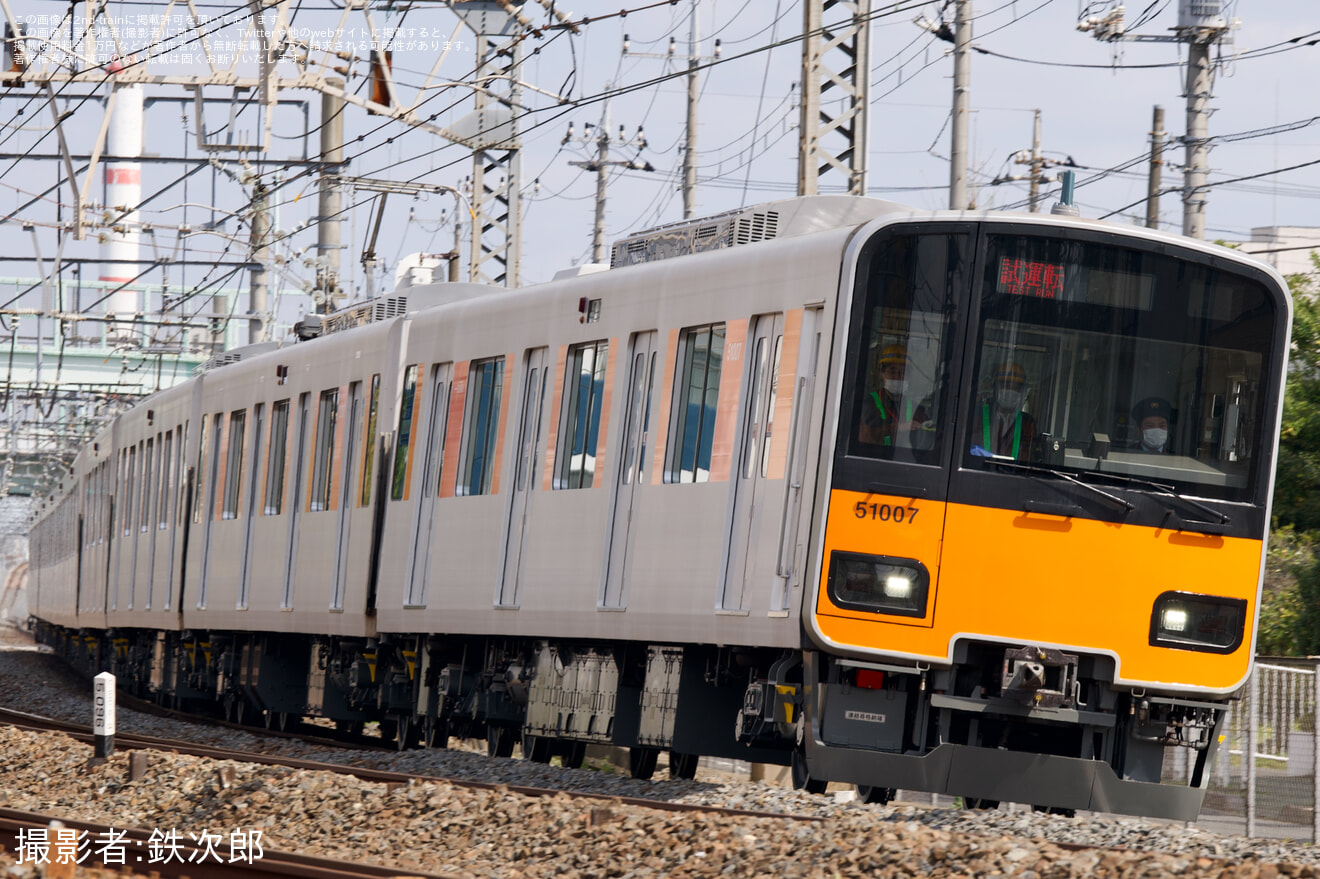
(103, 714)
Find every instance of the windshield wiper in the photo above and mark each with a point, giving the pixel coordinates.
(1066, 477)
(1167, 490)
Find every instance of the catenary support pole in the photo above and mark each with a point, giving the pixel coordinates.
(327, 228)
(1200, 77)
(690, 140)
(1037, 164)
(1156, 169)
(962, 84)
(260, 244)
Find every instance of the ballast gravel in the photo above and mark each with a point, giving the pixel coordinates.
(436, 827)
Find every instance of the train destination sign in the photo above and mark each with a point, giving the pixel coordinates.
(1027, 277)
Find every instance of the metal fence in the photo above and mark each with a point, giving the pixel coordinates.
(1275, 793)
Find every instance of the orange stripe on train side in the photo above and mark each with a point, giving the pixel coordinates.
(603, 431)
(670, 367)
(786, 385)
(1024, 578)
(726, 405)
(552, 433)
(505, 382)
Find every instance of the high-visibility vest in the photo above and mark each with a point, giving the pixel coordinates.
(884, 416)
(985, 430)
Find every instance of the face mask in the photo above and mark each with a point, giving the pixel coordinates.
(1154, 438)
(896, 386)
(1010, 400)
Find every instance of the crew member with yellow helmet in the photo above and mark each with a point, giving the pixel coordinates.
(891, 409)
(1001, 428)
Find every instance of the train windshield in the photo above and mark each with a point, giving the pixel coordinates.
(1102, 358)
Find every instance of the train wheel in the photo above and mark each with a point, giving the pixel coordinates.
(876, 795)
(682, 766)
(802, 779)
(575, 754)
(536, 748)
(641, 762)
(389, 730)
(980, 803)
(439, 734)
(499, 741)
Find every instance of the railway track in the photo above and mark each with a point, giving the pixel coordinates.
(130, 742)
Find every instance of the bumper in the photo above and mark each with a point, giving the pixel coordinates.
(1009, 776)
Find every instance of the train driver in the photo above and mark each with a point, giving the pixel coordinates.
(1001, 428)
(1152, 416)
(892, 408)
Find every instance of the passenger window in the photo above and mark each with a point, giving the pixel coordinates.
(234, 468)
(148, 481)
(584, 385)
(697, 390)
(476, 470)
(200, 474)
(166, 481)
(403, 438)
(279, 437)
(327, 415)
(130, 483)
(369, 444)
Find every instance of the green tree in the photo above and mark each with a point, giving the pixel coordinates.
(1297, 486)
(1290, 605)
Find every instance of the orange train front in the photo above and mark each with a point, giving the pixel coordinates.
(1044, 517)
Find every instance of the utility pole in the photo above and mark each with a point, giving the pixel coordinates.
(1202, 27)
(962, 85)
(1156, 168)
(327, 227)
(835, 55)
(1200, 80)
(1037, 164)
(1036, 161)
(694, 61)
(260, 243)
(601, 165)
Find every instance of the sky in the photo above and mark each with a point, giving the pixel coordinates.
(1095, 101)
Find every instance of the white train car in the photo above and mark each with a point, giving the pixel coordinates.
(684, 505)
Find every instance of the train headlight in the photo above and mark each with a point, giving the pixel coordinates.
(878, 584)
(1189, 621)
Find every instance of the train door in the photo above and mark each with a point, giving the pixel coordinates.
(804, 385)
(351, 436)
(749, 493)
(524, 477)
(208, 508)
(419, 569)
(254, 497)
(296, 504)
(632, 466)
(147, 529)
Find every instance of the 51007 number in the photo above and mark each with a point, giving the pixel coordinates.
(886, 512)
